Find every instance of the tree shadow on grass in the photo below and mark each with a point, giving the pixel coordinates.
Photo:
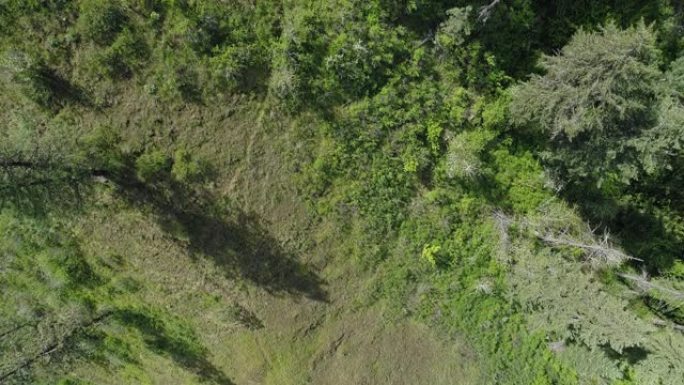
(245, 246)
(52, 91)
(236, 241)
(179, 345)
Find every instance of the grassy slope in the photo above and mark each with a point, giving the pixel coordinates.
(282, 336)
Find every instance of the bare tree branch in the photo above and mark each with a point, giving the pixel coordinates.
(486, 11)
(645, 284)
(16, 328)
(503, 223)
(601, 251)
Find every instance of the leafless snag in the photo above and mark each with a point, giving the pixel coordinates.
(557, 346)
(643, 283)
(662, 323)
(16, 329)
(599, 252)
(503, 222)
(486, 11)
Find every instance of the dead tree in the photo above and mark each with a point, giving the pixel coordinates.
(597, 252)
(643, 283)
(486, 11)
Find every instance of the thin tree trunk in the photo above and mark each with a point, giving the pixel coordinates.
(16, 328)
(55, 346)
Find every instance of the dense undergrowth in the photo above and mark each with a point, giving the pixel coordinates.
(507, 171)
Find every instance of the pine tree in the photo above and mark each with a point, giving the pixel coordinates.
(605, 106)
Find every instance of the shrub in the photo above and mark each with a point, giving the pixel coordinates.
(126, 54)
(186, 168)
(100, 21)
(230, 64)
(152, 166)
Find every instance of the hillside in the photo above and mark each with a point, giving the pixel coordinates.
(341, 192)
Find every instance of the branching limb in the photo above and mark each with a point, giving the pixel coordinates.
(486, 11)
(600, 251)
(645, 284)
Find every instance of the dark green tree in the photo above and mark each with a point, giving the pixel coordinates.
(100, 21)
(605, 106)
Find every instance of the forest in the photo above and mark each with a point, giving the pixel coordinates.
(290, 192)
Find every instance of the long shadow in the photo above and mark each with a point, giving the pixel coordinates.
(183, 351)
(236, 240)
(637, 228)
(245, 245)
(59, 90)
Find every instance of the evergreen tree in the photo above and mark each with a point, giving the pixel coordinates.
(604, 106)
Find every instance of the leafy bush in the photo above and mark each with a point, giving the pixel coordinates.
(100, 21)
(358, 63)
(101, 150)
(297, 59)
(187, 169)
(152, 166)
(232, 67)
(126, 54)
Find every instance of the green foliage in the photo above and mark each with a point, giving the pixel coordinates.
(455, 30)
(598, 103)
(297, 57)
(152, 166)
(47, 286)
(600, 80)
(126, 54)
(59, 301)
(430, 254)
(522, 183)
(464, 151)
(468, 292)
(187, 169)
(358, 62)
(230, 64)
(101, 21)
(101, 148)
(467, 58)
(396, 123)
